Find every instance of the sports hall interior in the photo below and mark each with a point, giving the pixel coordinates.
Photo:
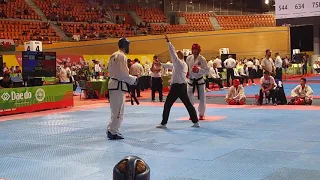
(233, 143)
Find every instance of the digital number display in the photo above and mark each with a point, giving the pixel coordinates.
(38, 64)
(316, 4)
(297, 8)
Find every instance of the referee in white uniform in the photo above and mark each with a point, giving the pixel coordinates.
(229, 64)
(178, 88)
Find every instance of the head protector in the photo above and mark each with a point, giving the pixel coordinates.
(196, 47)
(236, 82)
(124, 44)
(130, 173)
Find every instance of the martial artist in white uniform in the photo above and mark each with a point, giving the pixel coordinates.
(301, 94)
(235, 94)
(118, 84)
(197, 66)
(178, 87)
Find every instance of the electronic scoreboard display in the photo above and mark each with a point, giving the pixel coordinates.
(1, 65)
(297, 12)
(38, 64)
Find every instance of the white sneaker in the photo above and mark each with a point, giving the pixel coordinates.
(254, 84)
(247, 84)
(196, 125)
(160, 126)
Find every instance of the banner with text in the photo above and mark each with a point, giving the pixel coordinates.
(29, 99)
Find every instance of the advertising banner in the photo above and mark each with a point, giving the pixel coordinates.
(30, 99)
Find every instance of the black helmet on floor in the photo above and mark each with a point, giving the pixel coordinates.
(131, 168)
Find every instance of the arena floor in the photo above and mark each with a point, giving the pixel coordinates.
(234, 143)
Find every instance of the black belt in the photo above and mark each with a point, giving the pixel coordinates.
(132, 95)
(195, 84)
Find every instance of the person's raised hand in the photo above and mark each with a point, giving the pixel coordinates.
(166, 37)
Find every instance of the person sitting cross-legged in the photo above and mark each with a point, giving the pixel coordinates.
(302, 94)
(235, 94)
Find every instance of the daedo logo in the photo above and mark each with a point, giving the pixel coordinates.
(5, 96)
(14, 96)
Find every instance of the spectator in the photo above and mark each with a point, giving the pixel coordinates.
(6, 81)
(230, 64)
(316, 66)
(214, 77)
(278, 64)
(267, 63)
(267, 88)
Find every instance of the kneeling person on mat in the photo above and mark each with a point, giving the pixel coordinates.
(235, 94)
(302, 94)
(178, 88)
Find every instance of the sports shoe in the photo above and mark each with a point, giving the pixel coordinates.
(254, 84)
(161, 126)
(201, 117)
(114, 137)
(196, 125)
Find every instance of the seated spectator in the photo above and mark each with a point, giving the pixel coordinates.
(17, 70)
(5, 68)
(6, 81)
(244, 74)
(237, 75)
(235, 94)
(302, 94)
(267, 88)
(214, 76)
(316, 66)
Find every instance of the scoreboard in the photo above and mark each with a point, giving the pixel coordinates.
(297, 8)
(297, 12)
(38, 64)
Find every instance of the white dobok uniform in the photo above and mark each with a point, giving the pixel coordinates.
(236, 93)
(196, 81)
(299, 92)
(118, 87)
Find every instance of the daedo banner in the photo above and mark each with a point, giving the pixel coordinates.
(29, 99)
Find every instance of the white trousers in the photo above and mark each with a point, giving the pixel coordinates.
(202, 103)
(117, 100)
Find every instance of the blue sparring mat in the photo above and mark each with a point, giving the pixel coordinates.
(252, 90)
(248, 144)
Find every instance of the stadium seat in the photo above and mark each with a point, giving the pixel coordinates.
(18, 9)
(246, 21)
(22, 31)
